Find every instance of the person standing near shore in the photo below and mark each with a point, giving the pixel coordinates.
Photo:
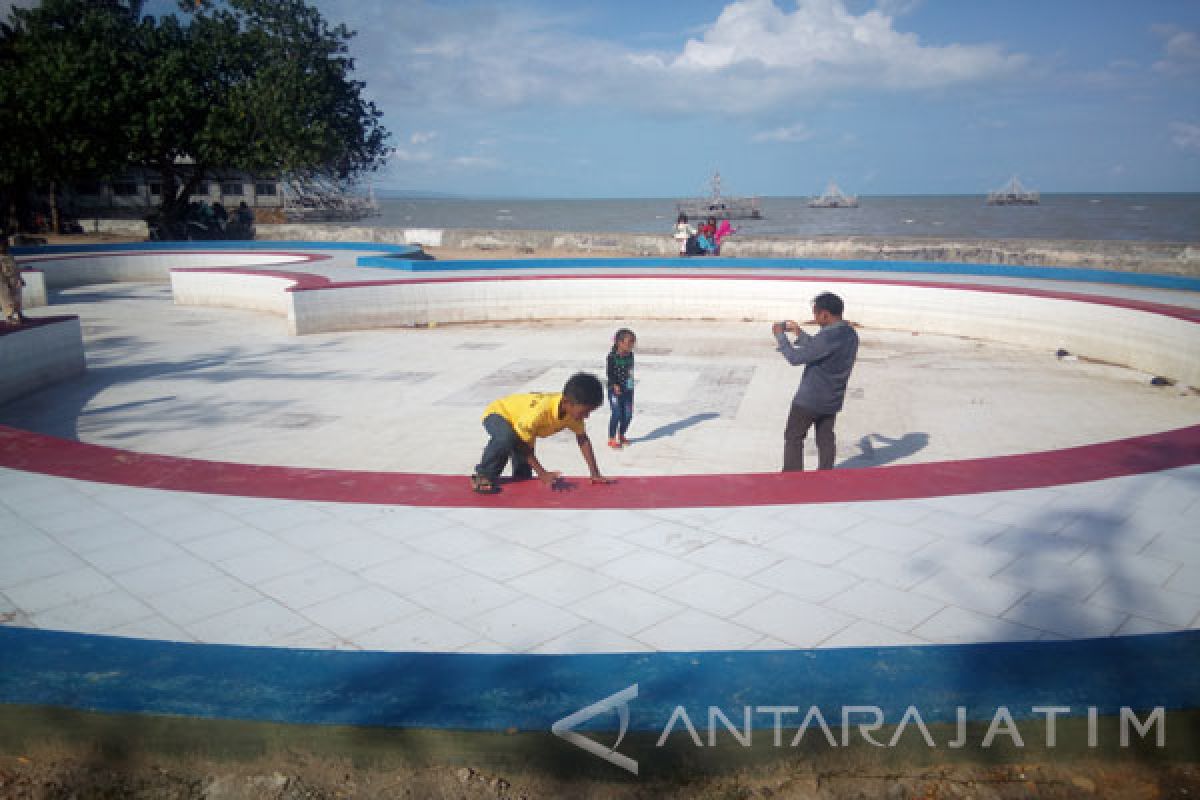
(683, 232)
(828, 358)
(706, 235)
(724, 231)
(620, 387)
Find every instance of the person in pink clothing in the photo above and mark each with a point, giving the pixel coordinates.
(723, 230)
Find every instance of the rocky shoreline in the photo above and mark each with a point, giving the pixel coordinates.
(1172, 258)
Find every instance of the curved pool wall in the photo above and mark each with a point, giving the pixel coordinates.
(40, 354)
(1075, 274)
(1154, 338)
(530, 692)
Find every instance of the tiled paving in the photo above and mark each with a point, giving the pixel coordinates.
(294, 573)
(1100, 558)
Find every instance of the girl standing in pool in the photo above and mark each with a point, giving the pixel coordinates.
(620, 386)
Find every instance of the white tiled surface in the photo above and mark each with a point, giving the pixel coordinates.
(1116, 556)
(1096, 559)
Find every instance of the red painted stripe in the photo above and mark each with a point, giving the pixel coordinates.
(35, 452)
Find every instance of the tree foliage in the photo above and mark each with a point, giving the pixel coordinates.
(91, 87)
(62, 101)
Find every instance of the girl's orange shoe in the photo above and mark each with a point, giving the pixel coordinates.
(614, 444)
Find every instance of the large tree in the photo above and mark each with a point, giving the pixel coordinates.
(263, 86)
(67, 70)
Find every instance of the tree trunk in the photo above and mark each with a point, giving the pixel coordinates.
(10, 219)
(54, 221)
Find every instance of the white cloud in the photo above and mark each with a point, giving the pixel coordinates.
(898, 8)
(475, 162)
(1186, 136)
(1182, 50)
(792, 133)
(422, 137)
(821, 44)
(753, 57)
(411, 156)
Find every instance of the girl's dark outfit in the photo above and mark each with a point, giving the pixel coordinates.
(620, 373)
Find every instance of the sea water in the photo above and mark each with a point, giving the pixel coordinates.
(1139, 217)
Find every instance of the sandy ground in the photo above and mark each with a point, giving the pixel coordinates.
(62, 775)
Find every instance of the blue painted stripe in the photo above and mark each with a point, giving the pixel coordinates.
(395, 260)
(54, 249)
(1076, 274)
(530, 692)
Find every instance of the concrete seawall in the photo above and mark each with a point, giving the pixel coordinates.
(1171, 258)
(1162, 257)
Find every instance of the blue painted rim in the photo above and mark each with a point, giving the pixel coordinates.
(1075, 274)
(394, 259)
(208, 246)
(531, 692)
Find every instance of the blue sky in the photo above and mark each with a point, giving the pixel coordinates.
(630, 98)
(624, 98)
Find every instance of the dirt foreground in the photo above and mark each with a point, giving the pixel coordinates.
(61, 754)
(48, 775)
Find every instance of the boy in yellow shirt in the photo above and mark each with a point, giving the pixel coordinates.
(516, 422)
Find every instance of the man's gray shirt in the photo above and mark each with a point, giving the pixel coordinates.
(828, 358)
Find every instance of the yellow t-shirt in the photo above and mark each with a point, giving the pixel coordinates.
(533, 416)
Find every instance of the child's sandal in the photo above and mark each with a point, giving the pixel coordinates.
(482, 484)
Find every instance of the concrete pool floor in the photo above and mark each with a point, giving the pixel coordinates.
(230, 385)
(1076, 560)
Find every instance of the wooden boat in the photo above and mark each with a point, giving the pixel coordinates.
(718, 205)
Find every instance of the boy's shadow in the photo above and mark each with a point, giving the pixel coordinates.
(671, 428)
(892, 450)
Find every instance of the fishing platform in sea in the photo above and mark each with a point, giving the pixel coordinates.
(1014, 193)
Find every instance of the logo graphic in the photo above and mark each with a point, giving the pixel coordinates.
(565, 727)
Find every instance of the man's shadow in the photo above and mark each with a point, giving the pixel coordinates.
(671, 428)
(892, 450)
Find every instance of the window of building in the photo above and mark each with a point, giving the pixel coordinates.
(234, 189)
(201, 189)
(124, 188)
(264, 189)
(88, 187)
(155, 188)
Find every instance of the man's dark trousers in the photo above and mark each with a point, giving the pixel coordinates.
(799, 421)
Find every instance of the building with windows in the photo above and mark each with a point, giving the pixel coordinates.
(137, 192)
